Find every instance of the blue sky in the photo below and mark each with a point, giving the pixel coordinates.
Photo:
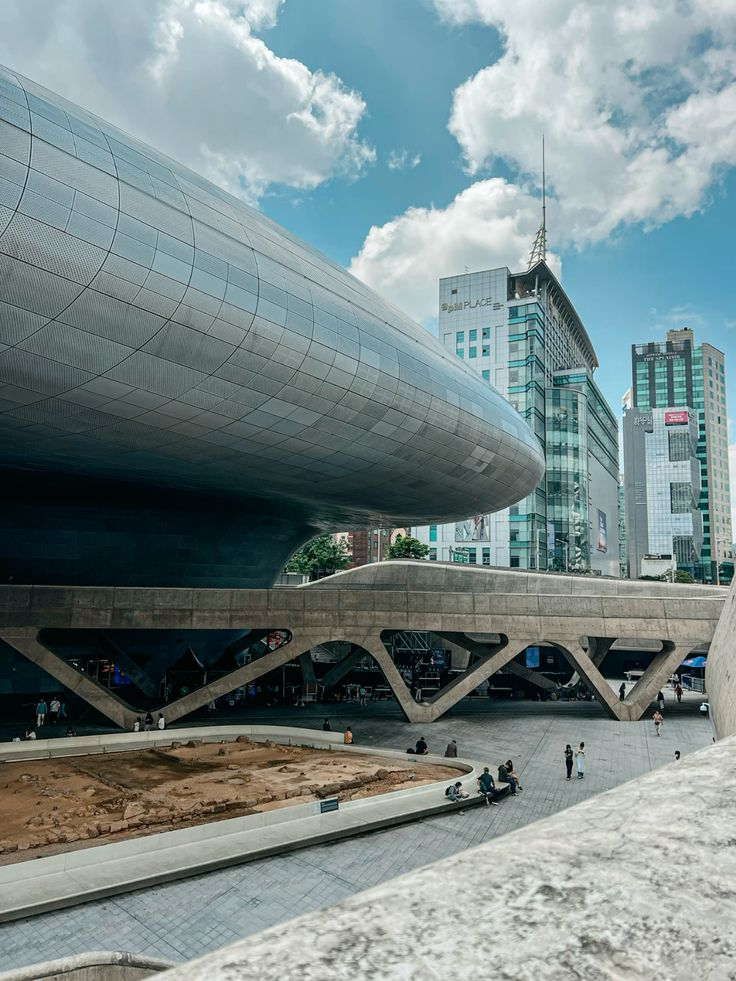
(402, 137)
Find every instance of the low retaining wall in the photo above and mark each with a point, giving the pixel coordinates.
(104, 965)
(720, 672)
(43, 884)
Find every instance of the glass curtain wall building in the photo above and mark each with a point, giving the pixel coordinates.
(522, 334)
(678, 398)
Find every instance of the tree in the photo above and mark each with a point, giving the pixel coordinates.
(320, 557)
(406, 547)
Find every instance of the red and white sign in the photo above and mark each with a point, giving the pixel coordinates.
(676, 418)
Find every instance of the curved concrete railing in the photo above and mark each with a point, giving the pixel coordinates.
(633, 884)
(104, 870)
(97, 965)
(720, 672)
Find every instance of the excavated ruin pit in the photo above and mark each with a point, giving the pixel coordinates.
(57, 805)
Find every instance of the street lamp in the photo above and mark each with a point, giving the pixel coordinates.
(566, 546)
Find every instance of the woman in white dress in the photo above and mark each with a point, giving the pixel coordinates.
(580, 760)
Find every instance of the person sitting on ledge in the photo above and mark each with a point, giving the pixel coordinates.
(347, 736)
(487, 787)
(148, 722)
(161, 721)
(451, 750)
(504, 776)
(326, 727)
(455, 792)
(70, 732)
(512, 772)
(30, 733)
(421, 748)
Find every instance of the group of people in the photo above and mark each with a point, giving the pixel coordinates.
(147, 724)
(576, 756)
(487, 785)
(421, 748)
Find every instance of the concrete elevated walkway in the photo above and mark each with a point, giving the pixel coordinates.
(582, 616)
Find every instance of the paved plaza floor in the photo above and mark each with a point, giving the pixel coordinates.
(186, 919)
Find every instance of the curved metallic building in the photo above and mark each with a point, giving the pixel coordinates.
(188, 392)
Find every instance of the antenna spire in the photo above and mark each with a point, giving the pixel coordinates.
(539, 249)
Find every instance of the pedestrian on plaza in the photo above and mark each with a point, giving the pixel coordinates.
(41, 710)
(514, 774)
(658, 720)
(137, 724)
(455, 792)
(421, 748)
(451, 751)
(677, 756)
(326, 727)
(580, 760)
(54, 709)
(678, 692)
(62, 710)
(622, 691)
(504, 776)
(161, 721)
(568, 760)
(347, 736)
(660, 701)
(148, 722)
(487, 787)
(30, 734)
(361, 695)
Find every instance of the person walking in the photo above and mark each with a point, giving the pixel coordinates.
(568, 760)
(347, 736)
(622, 691)
(580, 760)
(660, 701)
(678, 692)
(451, 750)
(361, 695)
(658, 720)
(54, 709)
(41, 710)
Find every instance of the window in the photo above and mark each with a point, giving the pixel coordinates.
(460, 353)
(472, 335)
(514, 562)
(679, 443)
(486, 375)
(472, 556)
(486, 351)
(681, 497)
(486, 333)
(682, 546)
(453, 292)
(472, 352)
(433, 555)
(486, 556)
(433, 533)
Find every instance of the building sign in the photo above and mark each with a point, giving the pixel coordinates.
(676, 418)
(532, 657)
(642, 420)
(332, 804)
(475, 529)
(466, 305)
(602, 536)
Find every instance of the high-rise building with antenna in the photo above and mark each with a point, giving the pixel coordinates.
(521, 332)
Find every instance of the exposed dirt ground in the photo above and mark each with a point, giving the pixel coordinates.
(58, 805)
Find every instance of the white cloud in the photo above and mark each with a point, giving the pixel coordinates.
(492, 223)
(191, 78)
(637, 102)
(403, 160)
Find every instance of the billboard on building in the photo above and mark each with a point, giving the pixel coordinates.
(602, 537)
(676, 418)
(475, 529)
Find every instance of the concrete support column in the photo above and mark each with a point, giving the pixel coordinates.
(335, 675)
(656, 675)
(26, 642)
(588, 671)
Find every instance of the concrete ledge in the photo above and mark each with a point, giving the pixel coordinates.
(44, 884)
(634, 884)
(98, 965)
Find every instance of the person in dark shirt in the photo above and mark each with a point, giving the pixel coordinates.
(487, 787)
(504, 776)
(326, 726)
(422, 748)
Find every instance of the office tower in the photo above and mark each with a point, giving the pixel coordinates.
(521, 332)
(677, 488)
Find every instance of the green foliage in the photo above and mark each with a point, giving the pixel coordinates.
(406, 547)
(680, 576)
(320, 557)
